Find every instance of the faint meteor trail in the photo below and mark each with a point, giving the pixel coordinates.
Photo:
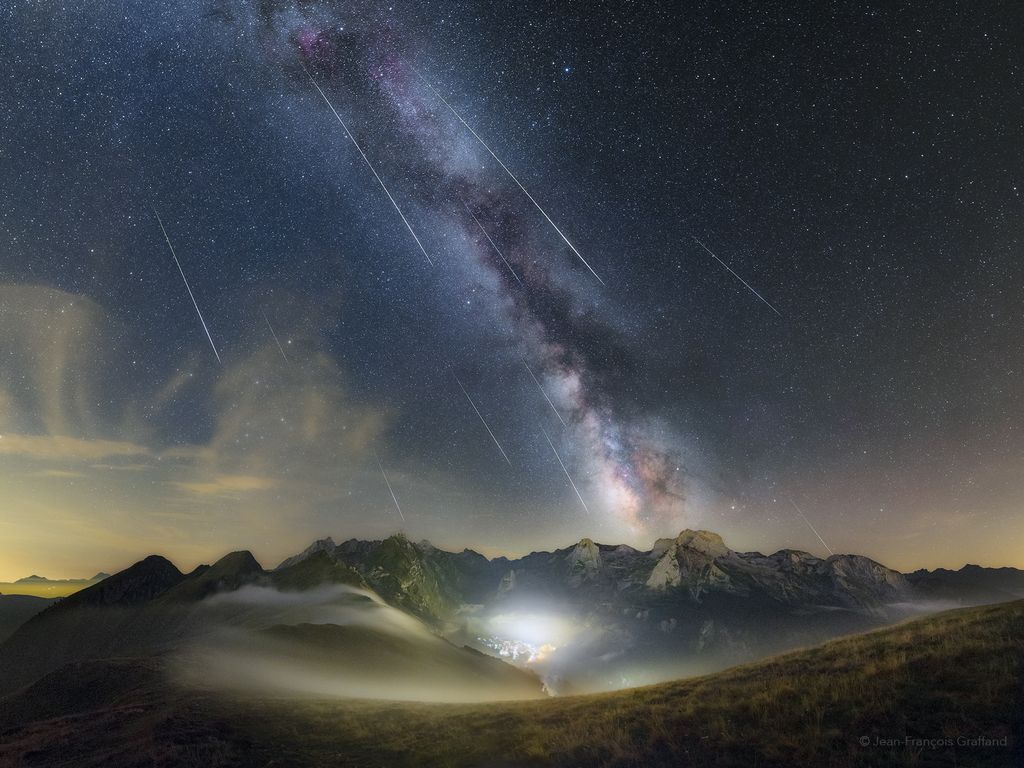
(567, 476)
(535, 381)
(187, 287)
(272, 333)
(390, 490)
(749, 287)
(495, 247)
(369, 165)
(482, 421)
(800, 512)
(510, 174)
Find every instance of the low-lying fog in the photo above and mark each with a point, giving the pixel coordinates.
(338, 641)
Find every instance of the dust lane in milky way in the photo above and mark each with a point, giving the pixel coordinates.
(635, 471)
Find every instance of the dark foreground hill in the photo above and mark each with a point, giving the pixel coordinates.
(15, 610)
(940, 691)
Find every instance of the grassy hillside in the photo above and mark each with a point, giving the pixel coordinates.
(952, 676)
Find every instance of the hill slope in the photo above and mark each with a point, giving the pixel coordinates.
(850, 702)
(15, 610)
(365, 661)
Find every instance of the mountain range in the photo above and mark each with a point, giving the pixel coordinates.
(586, 617)
(33, 579)
(689, 603)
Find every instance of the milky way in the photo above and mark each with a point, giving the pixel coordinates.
(850, 347)
(631, 471)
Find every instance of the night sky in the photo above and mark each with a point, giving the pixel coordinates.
(770, 277)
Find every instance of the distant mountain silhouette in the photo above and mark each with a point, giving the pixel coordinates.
(34, 579)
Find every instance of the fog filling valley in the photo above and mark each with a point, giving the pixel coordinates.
(340, 641)
(336, 641)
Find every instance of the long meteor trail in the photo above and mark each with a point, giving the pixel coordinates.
(537, 382)
(483, 421)
(749, 287)
(187, 287)
(369, 165)
(497, 250)
(567, 475)
(272, 333)
(510, 174)
(390, 490)
(800, 512)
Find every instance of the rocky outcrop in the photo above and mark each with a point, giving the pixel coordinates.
(508, 583)
(860, 582)
(320, 545)
(689, 561)
(584, 562)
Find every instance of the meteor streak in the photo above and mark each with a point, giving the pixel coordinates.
(800, 512)
(762, 298)
(187, 287)
(535, 381)
(369, 165)
(568, 477)
(482, 421)
(495, 247)
(510, 174)
(388, 484)
(278, 341)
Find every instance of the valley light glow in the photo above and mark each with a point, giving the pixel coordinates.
(535, 636)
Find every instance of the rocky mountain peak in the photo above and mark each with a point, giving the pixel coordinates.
(584, 560)
(863, 582)
(320, 545)
(320, 567)
(143, 581)
(706, 542)
(399, 541)
(232, 571)
(689, 560)
(586, 554)
(795, 556)
(863, 568)
(238, 563)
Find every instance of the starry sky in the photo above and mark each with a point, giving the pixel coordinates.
(504, 275)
